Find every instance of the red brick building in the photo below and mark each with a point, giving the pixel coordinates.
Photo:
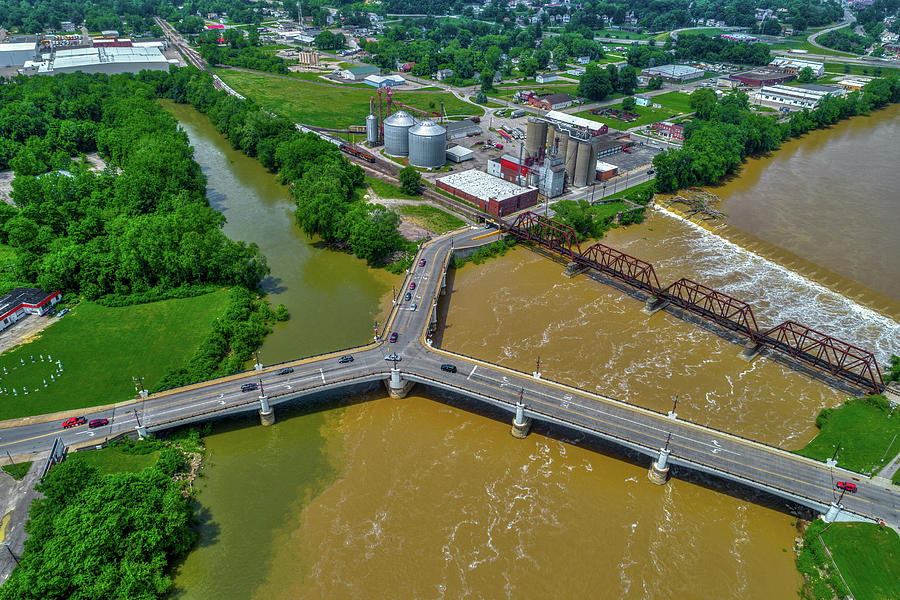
(669, 130)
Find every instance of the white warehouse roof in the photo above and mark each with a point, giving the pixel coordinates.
(484, 186)
(85, 58)
(562, 117)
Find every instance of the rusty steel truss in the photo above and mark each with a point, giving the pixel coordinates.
(800, 342)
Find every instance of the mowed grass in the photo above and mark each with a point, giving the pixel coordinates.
(101, 349)
(431, 218)
(831, 67)
(677, 101)
(17, 471)
(111, 460)
(864, 433)
(388, 190)
(866, 556)
(647, 115)
(331, 107)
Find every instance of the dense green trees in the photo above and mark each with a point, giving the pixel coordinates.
(726, 132)
(717, 49)
(410, 180)
(141, 226)
(99, 537)
(599, 82)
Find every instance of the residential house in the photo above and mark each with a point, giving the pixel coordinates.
(443, 74)
(546, 77)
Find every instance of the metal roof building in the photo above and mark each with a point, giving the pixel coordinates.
(13, 55)
(673, 72)
(461, 129)
(491, 194)
(105, 60)
(458, 154)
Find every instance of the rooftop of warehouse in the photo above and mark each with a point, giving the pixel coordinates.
(484, 186)
(674, 70)
(17, 47)
(555, 115)
(82, 57)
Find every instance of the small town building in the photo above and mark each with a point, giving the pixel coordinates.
(103, 60)
(491, 194)
(584, 60)
(546, 77)
(794, 96)
(852, 85)
(673, 73)
(795, 65)
(380, 81)
(459, 154)
(642, 100)
(461, 129)
(24, 301)
(669, 130)
(407, 67)
(443, 74)
(576, 71)
(552, 102)
(727, 83)
(358, 73)
(606, 170)
(16, 55)
(761, 77)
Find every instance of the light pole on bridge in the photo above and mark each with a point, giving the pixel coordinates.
(10, 552)
(672, 414)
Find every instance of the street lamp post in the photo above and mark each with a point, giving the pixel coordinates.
(11, 553)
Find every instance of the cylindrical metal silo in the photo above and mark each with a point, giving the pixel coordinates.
(535, 137)
(571, 152)
(582, 165)
(427, 145)
(372, 129)
(551, 139)
(396, 133)
(592, 163)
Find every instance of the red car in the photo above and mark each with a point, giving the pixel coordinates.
(73, 422)
(846, 486)
(394, 337)
(98, 423)
(412, 285)
(422, 263)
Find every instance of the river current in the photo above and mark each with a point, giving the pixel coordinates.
(424, 497)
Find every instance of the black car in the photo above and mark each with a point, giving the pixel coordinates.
(407, 297)
(345, 359)
(448, 368)
(249, 387)
(286, 370)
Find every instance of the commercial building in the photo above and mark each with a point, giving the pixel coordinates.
(580, 124)
(642, 101)
(795, 65)
(25, 301)
(669, 130)
(606, 171)
(358, 73)
(790, 96)
(761, 77)
(459, 154)
(102, 60)
(739, 37)
(15, 55)
(852, 85)
(384, 80)
(551, 101)
(461, 129)
(546, 77)
(491, 194)
(673, 73)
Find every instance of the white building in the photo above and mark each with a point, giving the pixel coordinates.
(22, 302)
(794, 96)
(105, 59)
(795, 65)
(15, 55)
(545, 77)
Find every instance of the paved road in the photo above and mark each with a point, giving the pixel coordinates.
(728, 456)
(848, 18)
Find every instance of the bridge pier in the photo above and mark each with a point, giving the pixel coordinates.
(141, 431)
(573, 269)
(659, 469)
(654, 305)
(432, 323)
(266, 412)
(834, 509)
(398, 387)
(443, 291)
(521, 424)
(751, 350)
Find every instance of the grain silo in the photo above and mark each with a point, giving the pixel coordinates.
(536, 137)
(582, 165)
(372, 129)
(427, 145)
(571, 153)
(396, 133)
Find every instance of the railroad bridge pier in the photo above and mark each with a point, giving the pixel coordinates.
(396, 385)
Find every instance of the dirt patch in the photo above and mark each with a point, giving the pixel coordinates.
(24, 331)
(411, 231)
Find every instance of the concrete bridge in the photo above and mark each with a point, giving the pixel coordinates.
(412, 359)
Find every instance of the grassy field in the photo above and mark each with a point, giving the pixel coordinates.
(325, 106)
(622, 35)
(674, 103)
(864, 433)
(111, 460)
(677, 101)
(805, 45)
(608, 210)
(431, 218)
(622, 193)
(18, 470)
(565, 88)
(866, 556)
(860, 69)
(92, 342)
(388, 190)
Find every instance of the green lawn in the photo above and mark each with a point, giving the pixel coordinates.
(431, 218)
(388, 190)
(863, 431)
(18, 470)
(622, 35)
(860, 69)
(866, 556)
(564, 88)
(601, 211)
(111, 460)
(622, 193)
(677, 101)
(647, 115)
(325, 106)
(805, 45)
(101, 349)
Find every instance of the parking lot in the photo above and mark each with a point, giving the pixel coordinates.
(640, 156)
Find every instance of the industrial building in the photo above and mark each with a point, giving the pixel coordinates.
(761, 77)
(606, 170)
(791, 96)
(459, 154)
(852, 85)
(491, 194)
(102, 60)
(551, 101)
(358, 73)
(461, 129)
(795, 65)
(16, 55)
(384, 80)
(673, 73)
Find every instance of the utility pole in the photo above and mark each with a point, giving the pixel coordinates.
(11, 553)
(136, 418)
(672, 414)
(11, 461)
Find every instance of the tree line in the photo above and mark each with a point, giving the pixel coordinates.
(726, 131)
(598, 82)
